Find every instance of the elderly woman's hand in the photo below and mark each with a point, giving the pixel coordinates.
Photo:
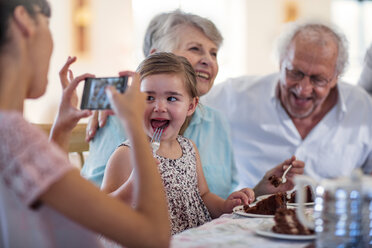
(96, 121)
(266, 187)
(68, 113)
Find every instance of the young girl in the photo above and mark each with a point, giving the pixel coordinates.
(44, 202)
(170, 84)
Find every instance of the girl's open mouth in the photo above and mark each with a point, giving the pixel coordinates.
(159, 123)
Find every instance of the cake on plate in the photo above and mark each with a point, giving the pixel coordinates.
(286, 222)
(309, 195)
(269, 205)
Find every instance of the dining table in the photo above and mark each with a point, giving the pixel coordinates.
(234, 231)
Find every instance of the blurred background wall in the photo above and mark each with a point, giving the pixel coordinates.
(106, 36)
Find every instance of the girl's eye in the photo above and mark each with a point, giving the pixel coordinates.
(172, 99)
(150, 98)
(194, 48)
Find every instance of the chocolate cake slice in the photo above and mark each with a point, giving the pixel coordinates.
(309, 195)
(268, 206)
(286, 222)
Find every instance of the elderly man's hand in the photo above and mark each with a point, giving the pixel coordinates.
(266, 187)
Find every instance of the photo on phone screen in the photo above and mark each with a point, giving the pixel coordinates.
(94, 95)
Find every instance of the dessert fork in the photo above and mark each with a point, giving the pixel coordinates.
(284, 179)
(155, 140)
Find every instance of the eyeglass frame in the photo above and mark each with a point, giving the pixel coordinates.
(301, 75)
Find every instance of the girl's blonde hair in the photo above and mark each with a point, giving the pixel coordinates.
(168, 63)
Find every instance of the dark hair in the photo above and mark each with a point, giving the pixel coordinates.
(169, 63)
(7, 8)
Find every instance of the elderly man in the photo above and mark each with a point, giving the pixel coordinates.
(302, 110)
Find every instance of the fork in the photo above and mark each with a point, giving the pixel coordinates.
(284, 179)
(155, 140)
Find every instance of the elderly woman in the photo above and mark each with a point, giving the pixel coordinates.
(198, 40)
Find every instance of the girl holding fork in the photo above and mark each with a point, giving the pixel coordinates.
(170, 83)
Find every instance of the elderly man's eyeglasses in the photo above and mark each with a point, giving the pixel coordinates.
(316, 80)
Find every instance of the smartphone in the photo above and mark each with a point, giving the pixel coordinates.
(94, 95)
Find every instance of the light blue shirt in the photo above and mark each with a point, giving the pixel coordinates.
(263, 134)
(106, 140)
(209, 131)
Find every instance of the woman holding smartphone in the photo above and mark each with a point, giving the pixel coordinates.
(44, 202)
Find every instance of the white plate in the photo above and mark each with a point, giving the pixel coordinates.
(306, 204)
(240, 211)
(265, 229)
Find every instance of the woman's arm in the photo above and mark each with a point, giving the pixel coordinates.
(83, 203)
(213, 202)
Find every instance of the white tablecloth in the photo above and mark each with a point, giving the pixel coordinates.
(232, 231)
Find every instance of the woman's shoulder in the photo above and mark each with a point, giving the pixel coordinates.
(10, 120)
(208, 116)
(210, 113)
(28, 161)
(16, 132)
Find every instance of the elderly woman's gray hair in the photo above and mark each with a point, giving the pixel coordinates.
(163, 31)
(315, 31)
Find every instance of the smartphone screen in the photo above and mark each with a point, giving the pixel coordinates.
(94, 95)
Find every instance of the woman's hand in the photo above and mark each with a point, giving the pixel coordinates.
(265, 186)
(68, 113)
(242, 197)
(130, 105)
(99, 117)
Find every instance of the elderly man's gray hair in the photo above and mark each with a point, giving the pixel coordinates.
(315, 31)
